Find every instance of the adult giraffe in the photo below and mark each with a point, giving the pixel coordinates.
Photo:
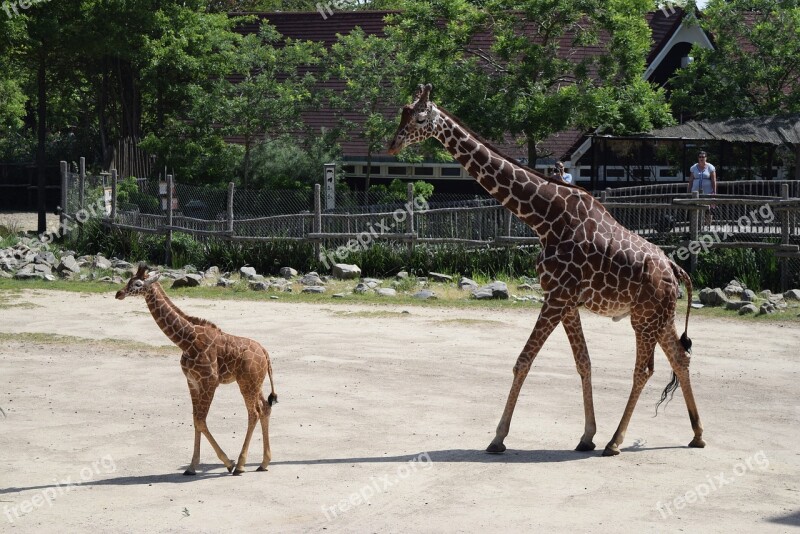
(588, 259)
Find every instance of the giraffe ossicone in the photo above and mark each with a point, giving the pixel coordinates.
(587, 260)
(211, 357)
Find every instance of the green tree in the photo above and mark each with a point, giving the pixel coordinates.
(368, 68)
(276, 87)
(534, 77)
(754, 68)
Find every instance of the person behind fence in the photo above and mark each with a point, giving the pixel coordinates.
(703, 178)
(561, 173)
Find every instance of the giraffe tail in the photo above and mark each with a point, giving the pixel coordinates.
(686, 343)
(272, 398)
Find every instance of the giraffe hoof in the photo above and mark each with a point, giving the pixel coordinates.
(237, 472)
(584, 446)
(189, 472)
(261, 468)
(230, 467)
(611, 450)
(698, 443)
(495, 448)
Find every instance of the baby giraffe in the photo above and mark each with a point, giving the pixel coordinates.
(211, 357)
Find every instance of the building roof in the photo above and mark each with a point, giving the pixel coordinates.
(777, 130)
(313, 26)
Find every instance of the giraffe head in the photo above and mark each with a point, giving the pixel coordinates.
(139, 283)
(416, 121)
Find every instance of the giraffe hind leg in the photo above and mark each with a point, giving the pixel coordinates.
(676, 351)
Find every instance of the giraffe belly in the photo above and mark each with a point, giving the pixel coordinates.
(614, 305)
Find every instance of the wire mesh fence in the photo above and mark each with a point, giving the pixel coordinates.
(755, 215)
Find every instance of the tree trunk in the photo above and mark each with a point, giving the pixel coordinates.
(532, 155)
(41, 129)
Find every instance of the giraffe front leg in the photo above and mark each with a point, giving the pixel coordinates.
(574, 330)
(202, 395)
(549, 317)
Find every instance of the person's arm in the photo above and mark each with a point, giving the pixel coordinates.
(713, 176)
(691, 179)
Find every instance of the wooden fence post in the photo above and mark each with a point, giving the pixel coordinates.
(230, 208)
(81, 182)
(64, 184)
(168, 241)
(317, 219)
(785, 233)
(410, 220)
(694, 232)
(113, 196)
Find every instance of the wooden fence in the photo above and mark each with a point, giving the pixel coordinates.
(681, 223)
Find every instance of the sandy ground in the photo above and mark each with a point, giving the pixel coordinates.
(381, 426)
(27, 221)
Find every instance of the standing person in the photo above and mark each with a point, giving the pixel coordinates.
(703, 178)
(561, 173)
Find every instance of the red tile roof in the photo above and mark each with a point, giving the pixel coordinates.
(312, 26)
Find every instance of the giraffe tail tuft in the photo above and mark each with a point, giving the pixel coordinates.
(272, 399)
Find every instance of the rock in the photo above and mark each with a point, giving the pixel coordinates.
(68, 264)
(258, 285)
(27, 274)
(371, 283)
(338, 296)
(386, 292)
(766, 308)
(311, 279)
(42, 268)
(424, 294)
(224, 282)
(525, 287)
(734, 305)
(45, 258)
(187, 280)
(697, 305)
(247, 273)
(422, 279)
(314, 289)
(361, 289)
(49, 277)
(101, 263)
(713, 297)
(288, 272)
(4, 274)
(748, 295)
(792, 294)
(121, 264)
(495, 290)
(733, 288)
(274, 297)
(257, 278)
(211, 272)
(345, 271)
(439, 277)
(189, 268)
(467, 283)
(748, 309)
(8, 263)
(402, 275)
(765, 294)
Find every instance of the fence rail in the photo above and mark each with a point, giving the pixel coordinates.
(744, 215)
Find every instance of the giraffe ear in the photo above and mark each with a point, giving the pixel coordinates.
(152, 278)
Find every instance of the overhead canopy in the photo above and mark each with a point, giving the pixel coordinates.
(767, 130)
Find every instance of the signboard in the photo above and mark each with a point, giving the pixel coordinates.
(107, 200)
(330, 186)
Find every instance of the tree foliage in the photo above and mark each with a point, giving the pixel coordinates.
(754, 68)
(533, 78)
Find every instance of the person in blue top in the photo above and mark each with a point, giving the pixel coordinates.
(561, 173)
(703, 176)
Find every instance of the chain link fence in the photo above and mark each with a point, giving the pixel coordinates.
(744, 214)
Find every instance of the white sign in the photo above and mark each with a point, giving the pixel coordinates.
(330, 186)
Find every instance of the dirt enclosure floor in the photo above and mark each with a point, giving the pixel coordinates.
(382, 422)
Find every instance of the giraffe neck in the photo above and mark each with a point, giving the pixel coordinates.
(524, 193)
(174, 323)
